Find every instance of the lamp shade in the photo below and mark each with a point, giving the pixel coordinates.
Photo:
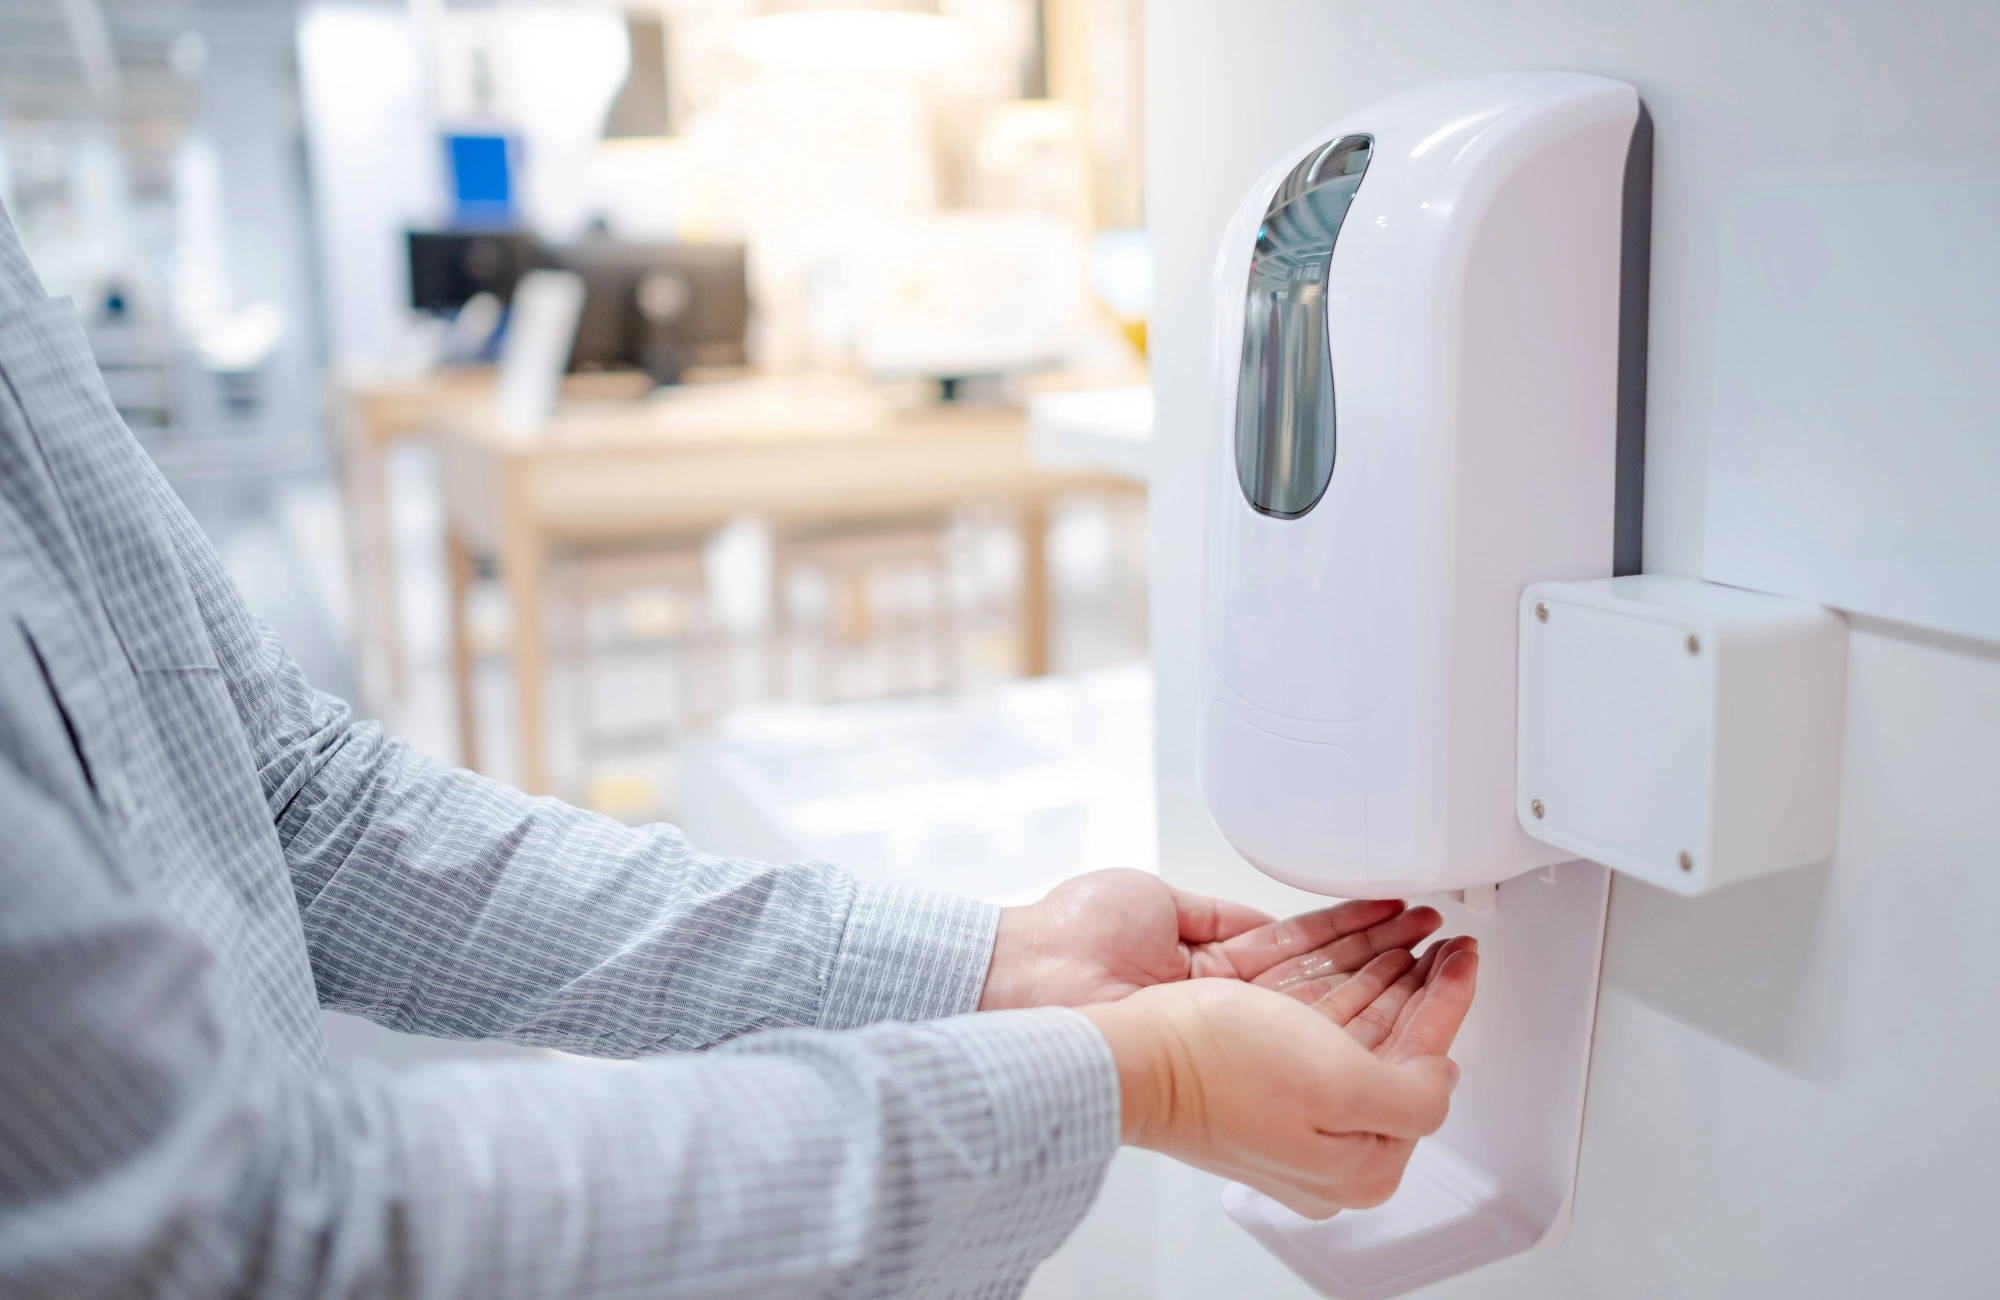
(856, 34)
(640, 110)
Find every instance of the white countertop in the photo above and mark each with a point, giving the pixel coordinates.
(1107, 429)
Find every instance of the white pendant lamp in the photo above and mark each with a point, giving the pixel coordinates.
(852, 34)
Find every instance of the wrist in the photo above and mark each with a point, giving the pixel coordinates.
(1145, 1080)
(1008, 979)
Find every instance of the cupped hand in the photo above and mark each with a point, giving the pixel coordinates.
(1105, 935)
(1256, 1086)
(1402, 1006)
(1310, 955)
(1102, 936)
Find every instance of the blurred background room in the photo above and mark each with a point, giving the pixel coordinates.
(731, 412)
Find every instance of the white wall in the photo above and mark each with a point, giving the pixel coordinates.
(249, 113)
(377, 99)
(376, 168)
(1793, 1086)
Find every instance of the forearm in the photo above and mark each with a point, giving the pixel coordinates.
(154, 1139)
(937, 1160)
(439, 901)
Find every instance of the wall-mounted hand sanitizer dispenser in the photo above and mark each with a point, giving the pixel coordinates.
(1431, 346)
(1419, 414)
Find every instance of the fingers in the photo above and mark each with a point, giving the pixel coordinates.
(1209, 920)
(1428, 1026)
(1437, 953)
(1348, 996)
(1256, 951)
(1372, 1024)
(1333, 941)
(1403, 931)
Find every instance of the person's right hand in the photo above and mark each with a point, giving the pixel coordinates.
(1402, 1007)
(1256, 1086)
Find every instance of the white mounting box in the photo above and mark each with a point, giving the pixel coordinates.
(1681, 731)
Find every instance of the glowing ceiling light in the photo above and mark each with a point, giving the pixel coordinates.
(852, 34)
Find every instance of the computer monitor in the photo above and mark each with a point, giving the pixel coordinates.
(660, 307)
(447, 267)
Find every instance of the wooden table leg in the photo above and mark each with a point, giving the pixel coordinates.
(1034, 524)
(458, 567)
(521, 564)
(385, 592)
(370, 543)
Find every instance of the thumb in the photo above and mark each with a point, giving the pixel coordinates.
(1406, 1100)
(1208, 920)
(1433, 1071)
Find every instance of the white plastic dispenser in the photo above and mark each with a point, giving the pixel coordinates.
(1419, 411)
(1431, 344)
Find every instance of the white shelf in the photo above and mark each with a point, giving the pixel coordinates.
(1109, 429)
(999, 796)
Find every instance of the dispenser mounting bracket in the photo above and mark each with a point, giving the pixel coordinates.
(1499, 1178)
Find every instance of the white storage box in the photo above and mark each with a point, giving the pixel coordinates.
(1680, 731)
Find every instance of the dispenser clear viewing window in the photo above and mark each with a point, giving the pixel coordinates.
(1285, 431)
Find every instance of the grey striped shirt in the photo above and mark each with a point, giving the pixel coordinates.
(197, 851)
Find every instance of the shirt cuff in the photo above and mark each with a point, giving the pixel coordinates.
(908, 954)
(1052, 1087)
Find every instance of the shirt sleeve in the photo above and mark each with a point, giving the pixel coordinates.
(151, 1144)
(440, 902)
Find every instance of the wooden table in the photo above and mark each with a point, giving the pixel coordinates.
(621, 474)
(371, 416)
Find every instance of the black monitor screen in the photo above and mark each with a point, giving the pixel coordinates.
(660, 307)
(449, 266)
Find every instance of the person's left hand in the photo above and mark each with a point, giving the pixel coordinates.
(1401, 1006)
(1105, 935)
